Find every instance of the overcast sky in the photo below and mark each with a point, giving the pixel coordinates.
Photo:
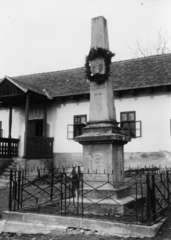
(49, 35)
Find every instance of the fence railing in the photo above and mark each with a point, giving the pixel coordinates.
(39, 147)
(141, 199)
(9, 147)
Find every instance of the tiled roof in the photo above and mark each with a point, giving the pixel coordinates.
(138, 73)
(144, 72)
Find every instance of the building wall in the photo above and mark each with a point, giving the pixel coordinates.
(4, 119)
(152, 110)
(153, 148)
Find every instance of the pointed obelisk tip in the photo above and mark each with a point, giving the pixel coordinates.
(99, 33)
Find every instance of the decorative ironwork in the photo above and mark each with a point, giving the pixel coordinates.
(69, 192)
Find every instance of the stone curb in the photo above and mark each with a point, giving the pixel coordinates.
(58, 225)
(2, 222)
(32, 228)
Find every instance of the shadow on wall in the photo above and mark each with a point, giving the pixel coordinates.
(161, 158)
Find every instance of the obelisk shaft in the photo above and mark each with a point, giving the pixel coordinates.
(99, 33)
(101, 96)
(102, 139)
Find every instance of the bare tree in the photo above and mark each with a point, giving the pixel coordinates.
(159, 47)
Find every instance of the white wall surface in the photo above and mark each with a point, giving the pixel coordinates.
(59, 116)
(155, 113)
(4, 119)
(153, 110)
(18, 124)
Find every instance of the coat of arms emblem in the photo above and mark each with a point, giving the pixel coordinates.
(97, 66)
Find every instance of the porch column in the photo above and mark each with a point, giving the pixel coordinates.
(44, 119)
(9, 130)
(26, 123)
(10, 121)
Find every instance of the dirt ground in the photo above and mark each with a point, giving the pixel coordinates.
(164, 233)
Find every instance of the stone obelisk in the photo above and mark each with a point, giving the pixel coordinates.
(102, 139)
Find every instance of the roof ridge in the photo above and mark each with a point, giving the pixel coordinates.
(141, 58)
(32, 74)
(120, 61)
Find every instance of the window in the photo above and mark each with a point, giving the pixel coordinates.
(79, 122)
(129, 123)
(76, 129)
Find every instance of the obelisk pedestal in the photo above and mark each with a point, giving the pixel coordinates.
(102, 139)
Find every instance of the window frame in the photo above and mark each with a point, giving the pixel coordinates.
(132, 121)
(71, 127)
(79, 124)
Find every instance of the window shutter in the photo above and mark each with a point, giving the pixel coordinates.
(138, 129)
(70, 131)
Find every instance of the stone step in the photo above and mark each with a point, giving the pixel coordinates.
(4, 185)
(5, 175)
(12, 166)
(4, 180)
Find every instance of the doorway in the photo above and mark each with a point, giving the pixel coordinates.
(35, 128)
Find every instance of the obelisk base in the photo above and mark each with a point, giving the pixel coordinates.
(103, 163)
(103, 155)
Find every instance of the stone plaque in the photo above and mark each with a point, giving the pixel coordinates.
(97, 162)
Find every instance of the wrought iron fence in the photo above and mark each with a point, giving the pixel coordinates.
(141, 199)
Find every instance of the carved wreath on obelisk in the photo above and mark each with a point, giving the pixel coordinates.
(97, 66)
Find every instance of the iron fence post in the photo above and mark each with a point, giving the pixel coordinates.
(22, 182)
(10, 190)
(61, 192)
(136, 201)
(38, 173)
(15, 189)
(82, 198)
(19, 181)
(153, 200)
(65, 191)
(168, 187)
(148, 198)
(142, 204)
(51, 192)
(78, 197)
